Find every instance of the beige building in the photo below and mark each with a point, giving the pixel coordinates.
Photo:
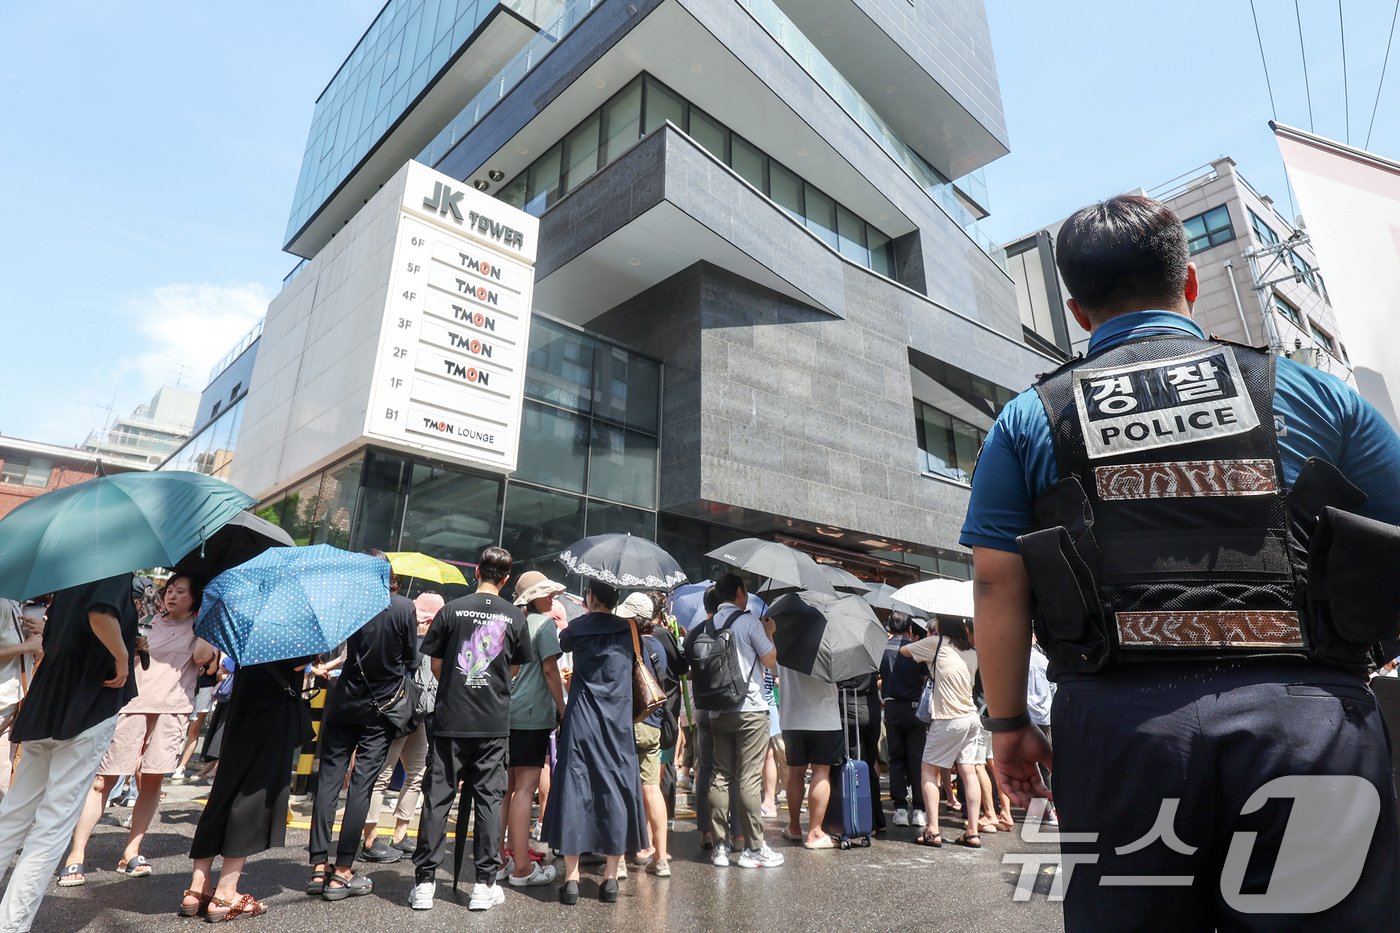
(1260, 281)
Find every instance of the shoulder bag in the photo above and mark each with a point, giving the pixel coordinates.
(924, 713)
(647, 695)
(400, 710)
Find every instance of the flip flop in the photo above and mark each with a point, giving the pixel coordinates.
(791, 836)
(138, 867)
(73, 876)
(825, 842)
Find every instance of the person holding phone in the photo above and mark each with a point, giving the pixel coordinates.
(18, 649)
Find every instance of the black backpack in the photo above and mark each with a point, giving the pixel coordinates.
(715, 668)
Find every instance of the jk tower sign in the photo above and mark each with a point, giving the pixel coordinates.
(407, 331)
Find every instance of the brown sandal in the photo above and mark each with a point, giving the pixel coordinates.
(244, 905)
(196, 910)
(966, 840)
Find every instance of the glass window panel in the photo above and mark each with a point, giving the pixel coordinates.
(604, 519)
(626, 388)
(543, 188)
(335, 504)
(709, 133)
(539, 524)
(662, 105)
(881, 252)
(553, 447)
(581, 149)
(850, 231)
(821, 215)
(748, 161)
(560, 365)
(299, 510)
(622, 121)
(785, 189)
(450, 514)
(622, 466)
(514, 191)
(379, 511)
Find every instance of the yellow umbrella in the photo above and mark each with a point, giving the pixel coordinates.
(423, 567)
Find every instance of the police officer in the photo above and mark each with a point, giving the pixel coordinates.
(1199, 531)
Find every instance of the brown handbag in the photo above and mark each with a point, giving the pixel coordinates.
(647, 695)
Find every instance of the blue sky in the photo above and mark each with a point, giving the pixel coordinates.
(152, 149)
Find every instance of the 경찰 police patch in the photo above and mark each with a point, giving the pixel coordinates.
(1162, 403)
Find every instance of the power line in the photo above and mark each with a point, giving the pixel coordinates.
(1384, 63)
(1267, 83)
(1346, 94)
(1307, 85)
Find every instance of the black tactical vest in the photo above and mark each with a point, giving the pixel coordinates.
(1170, 535)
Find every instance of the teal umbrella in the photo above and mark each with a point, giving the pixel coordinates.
(110, 525)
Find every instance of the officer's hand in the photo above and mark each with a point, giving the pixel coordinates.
(1017, 754)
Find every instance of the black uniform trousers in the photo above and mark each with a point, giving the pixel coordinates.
(369, 745)
(1145, 753)
(906, 736)
(479, 762)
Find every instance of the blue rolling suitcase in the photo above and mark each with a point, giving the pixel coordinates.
(851, 787)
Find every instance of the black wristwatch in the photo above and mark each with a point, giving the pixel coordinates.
(1009, 724)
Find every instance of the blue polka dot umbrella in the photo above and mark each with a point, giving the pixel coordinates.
(292, 602)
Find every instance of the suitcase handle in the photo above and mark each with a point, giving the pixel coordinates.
(845, 736)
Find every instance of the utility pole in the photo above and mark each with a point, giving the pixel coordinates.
(1263, 284)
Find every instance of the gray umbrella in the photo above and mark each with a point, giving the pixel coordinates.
(879, 596)
(832, 638)
(786, 567)
(843, 581)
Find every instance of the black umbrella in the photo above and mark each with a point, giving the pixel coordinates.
(832, 638)
(879, 596)
(624, 562)
(843, 581)
(243, 538)
(785, 567)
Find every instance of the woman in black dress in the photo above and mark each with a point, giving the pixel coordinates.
(595, 798)
(266, 722)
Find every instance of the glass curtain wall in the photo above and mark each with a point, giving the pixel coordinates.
(645, 105)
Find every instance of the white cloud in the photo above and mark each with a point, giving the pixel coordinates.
(185, 329)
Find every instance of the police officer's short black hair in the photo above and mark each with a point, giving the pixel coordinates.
(728, 586)
(494, 565)
(1124, 254)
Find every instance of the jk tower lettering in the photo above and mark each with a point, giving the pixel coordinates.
(450, 369)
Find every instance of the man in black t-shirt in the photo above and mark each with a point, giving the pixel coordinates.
(377, 659)
(475, 643)
(65, 726)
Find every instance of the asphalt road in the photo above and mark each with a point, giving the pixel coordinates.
(893, 885)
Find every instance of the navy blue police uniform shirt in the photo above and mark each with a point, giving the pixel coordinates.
(1317, 415)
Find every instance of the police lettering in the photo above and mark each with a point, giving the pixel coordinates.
(1167, 425)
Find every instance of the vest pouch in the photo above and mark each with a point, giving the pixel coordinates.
(1353, 586)
(1067, 601)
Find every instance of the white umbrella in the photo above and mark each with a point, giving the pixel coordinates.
(936, 597)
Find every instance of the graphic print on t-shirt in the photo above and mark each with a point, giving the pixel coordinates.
(1162, 403)
(484, 646)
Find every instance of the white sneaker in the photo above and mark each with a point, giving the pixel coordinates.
(901, 817)
(542, 874)
(919, 819)
(484, 897)
(760, 858)
(421, 897)
(720, 857)
(505, 871)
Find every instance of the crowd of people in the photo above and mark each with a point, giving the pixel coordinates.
(524, 714)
